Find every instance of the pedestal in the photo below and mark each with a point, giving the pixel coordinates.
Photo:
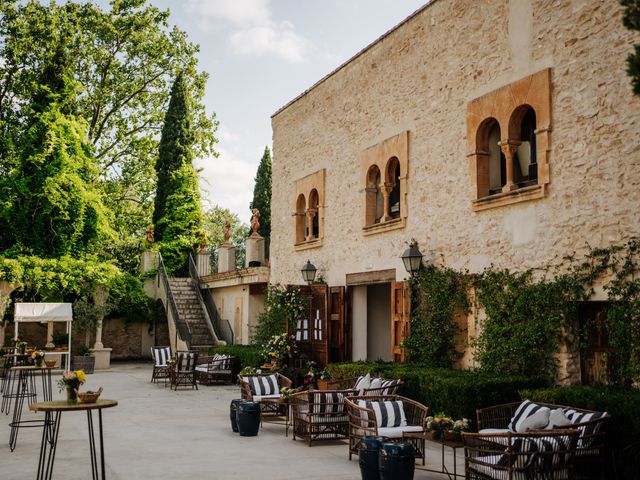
(203, 263)
(103, 358)
(148, 261)
(255, 251)
(226, 258)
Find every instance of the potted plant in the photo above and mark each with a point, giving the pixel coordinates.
(61, 340)
(84, 360)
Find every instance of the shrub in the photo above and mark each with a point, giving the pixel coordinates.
(623, 404)
(457, 392)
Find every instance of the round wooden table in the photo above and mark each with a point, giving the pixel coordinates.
(52, 428)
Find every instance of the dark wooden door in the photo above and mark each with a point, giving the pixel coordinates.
(336, 330)
(400, 316)
(318, 331)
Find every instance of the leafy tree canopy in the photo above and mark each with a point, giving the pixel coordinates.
(215, 219)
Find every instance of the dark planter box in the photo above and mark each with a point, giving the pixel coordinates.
(86, 363)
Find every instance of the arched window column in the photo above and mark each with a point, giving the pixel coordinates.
(509, 149)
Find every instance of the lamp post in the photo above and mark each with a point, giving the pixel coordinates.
(412, 258)
(309, 272)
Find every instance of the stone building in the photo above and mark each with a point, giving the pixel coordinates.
(499, 132)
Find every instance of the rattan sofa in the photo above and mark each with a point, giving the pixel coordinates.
(215, 369)
(363, 421)
(591, 450)
(540, 455)
(320, 414)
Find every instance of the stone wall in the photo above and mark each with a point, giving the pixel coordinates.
(420, 78)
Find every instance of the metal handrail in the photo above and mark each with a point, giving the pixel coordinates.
(182, 327)
(209, 304)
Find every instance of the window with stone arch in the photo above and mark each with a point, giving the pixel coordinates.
(508, 134)
(384, 170)
(309, 211)
(392, 184)
(374, 200)
(301, 219)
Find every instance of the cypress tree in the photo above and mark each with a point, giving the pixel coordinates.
(262, 193)
(631, 20)
(177, 214)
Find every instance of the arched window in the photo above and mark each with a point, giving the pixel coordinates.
(523, 129)
(301, 219)
(312, 216)
(497, 160)
(374, 199)
(393, 182)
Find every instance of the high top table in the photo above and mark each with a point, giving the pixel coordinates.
(52, 428)
(21, 384)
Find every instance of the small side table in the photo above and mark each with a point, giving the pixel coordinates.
(452, 444)
(52, 428)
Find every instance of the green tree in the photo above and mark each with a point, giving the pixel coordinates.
(51, 205)
(124, 58)
(631, 20)
(214, 222)
(177, 213)
(262, 193)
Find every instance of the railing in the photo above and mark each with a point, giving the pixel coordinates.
(182, 327)
(210, 306)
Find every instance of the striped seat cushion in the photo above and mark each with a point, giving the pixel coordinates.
(524, 410)
(388, 413)
(263, 384)
(160, 355)
(327, 402)
(586, 431)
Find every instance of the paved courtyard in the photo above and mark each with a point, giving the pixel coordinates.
(156, 433)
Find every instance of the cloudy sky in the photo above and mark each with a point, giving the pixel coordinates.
(261, 54)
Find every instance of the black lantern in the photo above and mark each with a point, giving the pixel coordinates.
(309, 272)
(412, 258)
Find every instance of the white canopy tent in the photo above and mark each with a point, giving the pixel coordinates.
(44, 313)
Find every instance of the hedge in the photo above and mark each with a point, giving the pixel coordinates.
(623, 405)
(456, 392)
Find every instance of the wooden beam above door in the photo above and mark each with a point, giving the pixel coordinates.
(366, 278)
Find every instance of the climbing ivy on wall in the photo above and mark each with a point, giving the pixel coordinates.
(437, 292)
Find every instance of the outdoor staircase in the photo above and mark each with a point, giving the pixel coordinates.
(191, 310)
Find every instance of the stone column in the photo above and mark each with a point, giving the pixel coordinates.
(509, 149)
(311, 213)
(203, 263)
(226, 258)
(50, 343)
(101, 354)
(386, 193)
(255, 250)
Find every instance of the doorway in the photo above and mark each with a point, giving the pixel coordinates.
(379, 322)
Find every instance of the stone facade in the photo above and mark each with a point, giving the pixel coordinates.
(424, 77)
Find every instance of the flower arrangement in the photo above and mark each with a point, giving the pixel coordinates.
(171, 362)
(279, 348)
(441, 423)
(37, 357)
(20, 345)
(314, 373)
(250, 371)
(287, 392)
(71, 381)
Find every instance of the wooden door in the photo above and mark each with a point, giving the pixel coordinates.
(336, 330)
(318, 324)
(400, 316)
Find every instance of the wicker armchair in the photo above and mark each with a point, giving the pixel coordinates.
(161, 371)
(388, 387)
(265, 389)
(363, 421)
(320, 414)
(541, 455)
(183, 373)
(216, 369)
(591, 450)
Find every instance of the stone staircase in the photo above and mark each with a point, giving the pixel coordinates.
(191, 310)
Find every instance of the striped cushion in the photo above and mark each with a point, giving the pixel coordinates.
(390, 387)
(388, 413)
(586, 431)
(263, 384)
(329, 403)
(160, 355)
(526, 409)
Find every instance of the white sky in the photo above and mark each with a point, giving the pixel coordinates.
(261, 54)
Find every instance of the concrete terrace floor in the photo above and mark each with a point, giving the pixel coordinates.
(155, 433)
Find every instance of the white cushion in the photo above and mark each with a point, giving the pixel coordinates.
(388, 413)
(557, 418)
(524, 410)
(502, 440)
(375, 383)
(202, 368)
(396, 432)
(536, 421)
(493, 430)
(363, 383)
(257, 398)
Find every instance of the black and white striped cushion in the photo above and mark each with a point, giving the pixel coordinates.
(263, 384)
(388, 413)
(390, 387)
(526, 409)
(160, 355)
(330, 402)
(586, 431)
